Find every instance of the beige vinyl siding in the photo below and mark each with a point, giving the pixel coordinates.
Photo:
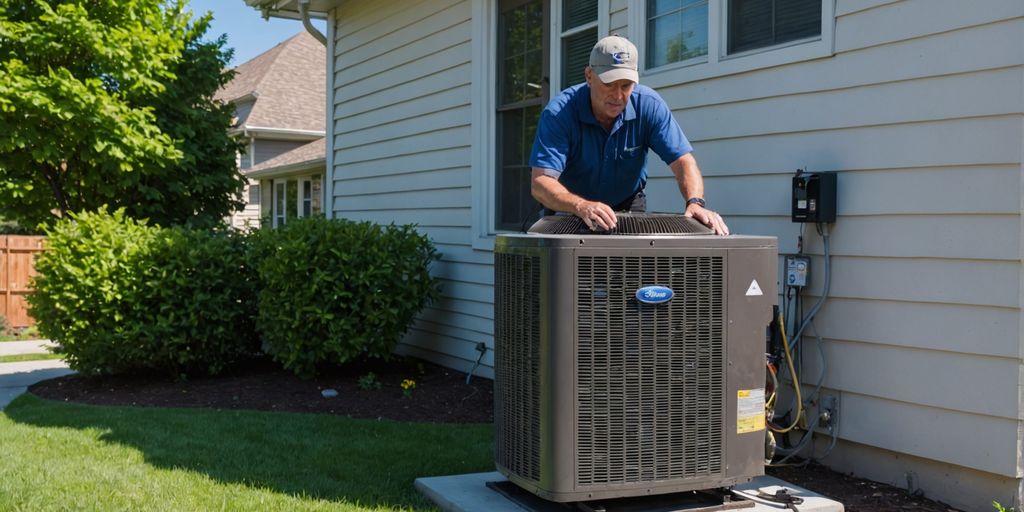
(402, 154)
(265, 149)
(618, 18)
(920, 111)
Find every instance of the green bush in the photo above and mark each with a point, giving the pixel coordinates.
(121, 296)
(334, 290)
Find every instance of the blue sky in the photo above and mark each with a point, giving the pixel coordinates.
(248, 33)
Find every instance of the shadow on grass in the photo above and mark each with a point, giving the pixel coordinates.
(372, 463)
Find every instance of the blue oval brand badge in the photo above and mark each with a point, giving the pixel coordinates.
(654, 294)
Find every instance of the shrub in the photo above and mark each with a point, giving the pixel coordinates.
(121, 296)
(334, 290)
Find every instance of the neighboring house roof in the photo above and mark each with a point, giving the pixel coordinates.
(285, 87)
(305, 157)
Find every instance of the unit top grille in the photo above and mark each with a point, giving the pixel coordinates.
(627, 224)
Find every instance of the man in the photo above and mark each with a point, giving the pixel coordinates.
(589, 157)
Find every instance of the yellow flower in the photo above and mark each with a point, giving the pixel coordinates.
(408, 384)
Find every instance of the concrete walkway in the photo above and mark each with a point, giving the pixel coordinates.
(15, 378)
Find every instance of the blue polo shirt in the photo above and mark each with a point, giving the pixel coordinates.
(599, 165)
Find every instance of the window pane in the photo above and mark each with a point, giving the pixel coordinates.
(254, 194)
(759, 23)
(279, 201)
(315, 199)
(307, 198)
(678, 35)
(578, 12)
(513, 199)
(797, 19)
(291, 208)
(576, 56)
(521, 31)
(657, 8)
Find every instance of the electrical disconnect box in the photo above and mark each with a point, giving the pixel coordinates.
(814, 197)
(797, 268)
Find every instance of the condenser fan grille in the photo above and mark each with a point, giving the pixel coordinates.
(627, 224)
(650, 381)
(517, 368)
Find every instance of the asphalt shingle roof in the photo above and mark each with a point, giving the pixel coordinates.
(288, 82)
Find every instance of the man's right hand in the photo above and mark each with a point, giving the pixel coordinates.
(598, 216)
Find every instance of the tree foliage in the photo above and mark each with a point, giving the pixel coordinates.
(109, 102)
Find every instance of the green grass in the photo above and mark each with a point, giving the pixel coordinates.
(29, 357)
(60, 456)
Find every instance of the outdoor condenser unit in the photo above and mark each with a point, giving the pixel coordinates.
(630, 363)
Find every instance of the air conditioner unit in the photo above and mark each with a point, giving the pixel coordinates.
(630, 363)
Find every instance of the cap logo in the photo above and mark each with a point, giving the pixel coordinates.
(620, 57)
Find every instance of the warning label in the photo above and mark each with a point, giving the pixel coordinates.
(754, 289)
(749, 410)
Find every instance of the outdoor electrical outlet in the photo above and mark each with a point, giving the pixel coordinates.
(827, 411)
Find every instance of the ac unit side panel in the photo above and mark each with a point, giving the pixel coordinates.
(517, 383)
(751, 292)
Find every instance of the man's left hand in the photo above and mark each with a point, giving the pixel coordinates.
(708, 218)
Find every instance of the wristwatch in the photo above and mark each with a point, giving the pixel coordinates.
(696, 200)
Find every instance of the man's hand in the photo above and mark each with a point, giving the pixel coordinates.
(708, 218)
(598, 216)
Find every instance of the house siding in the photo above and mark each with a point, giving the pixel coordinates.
(919, 107)
(401, 122)
(920, 111)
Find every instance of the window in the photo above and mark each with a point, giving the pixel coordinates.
(579, 34)
(711, 31)
(522, 93)
(759, 23)
(296, 197)
(677, 30)
(254, 194)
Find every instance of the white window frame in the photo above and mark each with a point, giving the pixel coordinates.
(717, 63)
(484, 71)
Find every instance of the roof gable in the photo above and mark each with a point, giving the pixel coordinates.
(286, 84)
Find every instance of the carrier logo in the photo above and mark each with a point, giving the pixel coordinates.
(654, 294)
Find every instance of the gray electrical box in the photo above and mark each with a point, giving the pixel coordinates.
(631, 363)
(798, 269)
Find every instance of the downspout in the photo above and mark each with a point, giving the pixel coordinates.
(304, 13)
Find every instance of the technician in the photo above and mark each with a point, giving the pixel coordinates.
(589, 157)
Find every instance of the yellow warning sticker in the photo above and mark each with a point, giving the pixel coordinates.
(749, 410)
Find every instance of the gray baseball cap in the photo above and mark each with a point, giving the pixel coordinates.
(614, 58)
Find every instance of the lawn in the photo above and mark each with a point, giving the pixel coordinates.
(68, 456)
(29, 357)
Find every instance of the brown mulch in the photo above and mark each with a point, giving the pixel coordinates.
(441, 395)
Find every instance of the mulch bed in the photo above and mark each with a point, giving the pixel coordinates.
(441, 395)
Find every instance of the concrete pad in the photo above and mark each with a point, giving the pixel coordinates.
(467, 493)
(15, 378)
(13, 348)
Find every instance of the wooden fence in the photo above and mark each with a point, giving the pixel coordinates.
(16, 257)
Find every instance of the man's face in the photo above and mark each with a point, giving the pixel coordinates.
(608, 100)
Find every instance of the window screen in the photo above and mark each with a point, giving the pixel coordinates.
(759, 23)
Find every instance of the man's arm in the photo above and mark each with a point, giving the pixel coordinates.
(691, 184)
(553, 195)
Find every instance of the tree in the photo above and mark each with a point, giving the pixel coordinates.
(109, 102)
